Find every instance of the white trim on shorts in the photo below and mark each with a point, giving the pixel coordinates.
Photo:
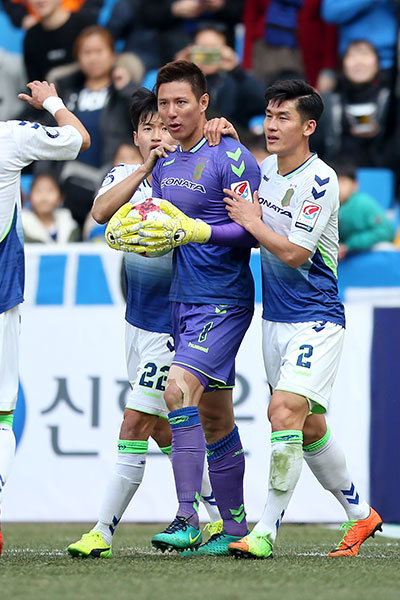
(303, 358)
(9, 358)
(148, 358)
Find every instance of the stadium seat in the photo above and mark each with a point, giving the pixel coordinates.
(379, 183)
(11, 37)
(149, 80)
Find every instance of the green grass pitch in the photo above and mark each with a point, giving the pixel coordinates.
(35, 566)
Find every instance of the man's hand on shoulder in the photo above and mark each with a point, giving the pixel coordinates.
(215, 128)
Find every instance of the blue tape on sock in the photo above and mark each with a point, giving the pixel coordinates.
(184, 417)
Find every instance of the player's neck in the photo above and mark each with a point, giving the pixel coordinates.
(194, 138)
(56, 19)
(290, 162)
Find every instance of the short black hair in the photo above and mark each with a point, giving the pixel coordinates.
(309, 102)
(144, 104)
(183, 70)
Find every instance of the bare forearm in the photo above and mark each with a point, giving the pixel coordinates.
(66, 117)
(109, 202)
(277, 244)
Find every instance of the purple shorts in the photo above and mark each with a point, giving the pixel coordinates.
(207, 338)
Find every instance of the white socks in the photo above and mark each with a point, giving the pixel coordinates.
(328, 463)
(7, 450)
(285, 469)
(207, 495)
(127, 476)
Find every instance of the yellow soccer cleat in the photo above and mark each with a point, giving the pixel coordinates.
(252, 545)
(214, 528)
(91, 544)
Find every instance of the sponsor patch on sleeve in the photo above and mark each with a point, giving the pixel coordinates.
(308, 215)
(243, 189)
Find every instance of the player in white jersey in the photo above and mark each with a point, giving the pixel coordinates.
(22, 142)
(295, 222)
(149, 345)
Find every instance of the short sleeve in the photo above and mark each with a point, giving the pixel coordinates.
(115, 176)
(37, 142)
(316, 203)
(239, 169)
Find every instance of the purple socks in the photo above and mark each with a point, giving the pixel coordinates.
(188, 450)
(226, 469)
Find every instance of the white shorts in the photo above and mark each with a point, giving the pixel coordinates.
(9, 353)
(303, 358)
(148, 359)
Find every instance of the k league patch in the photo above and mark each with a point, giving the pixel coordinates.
(243, 189)
(308, 215)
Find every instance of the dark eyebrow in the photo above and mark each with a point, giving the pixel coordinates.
(285, 113)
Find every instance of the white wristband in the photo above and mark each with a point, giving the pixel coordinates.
(53, 104)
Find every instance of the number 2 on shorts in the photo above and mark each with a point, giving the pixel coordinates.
(308, 352)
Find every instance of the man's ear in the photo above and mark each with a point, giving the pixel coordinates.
(309, 127)
(204, 102)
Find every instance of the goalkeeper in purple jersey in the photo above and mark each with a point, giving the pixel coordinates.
(212, 296)
(149, 346)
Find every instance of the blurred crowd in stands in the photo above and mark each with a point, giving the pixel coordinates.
(98, 52)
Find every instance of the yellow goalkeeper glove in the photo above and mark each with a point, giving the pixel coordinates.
(121, 232)
(176, 231)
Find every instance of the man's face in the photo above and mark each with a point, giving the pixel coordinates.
(45, 8)
(283, 127)
(151, 133)
(180, 110)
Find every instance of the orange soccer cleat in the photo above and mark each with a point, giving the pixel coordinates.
(356, 532)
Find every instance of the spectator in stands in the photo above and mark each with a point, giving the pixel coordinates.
(157, 31)
(49, 43)
(100, 96)
(13, 80)
(362, 222)
(47, 222)
(372, 20)
(289, 36)
(22, 13)
(355, 121)
(234, 93)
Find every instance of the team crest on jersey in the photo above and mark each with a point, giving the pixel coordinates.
(243, 189)
(197, 173)
(308, 215)
(287, 197)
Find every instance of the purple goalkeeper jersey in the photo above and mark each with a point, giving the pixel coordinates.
(193, 181)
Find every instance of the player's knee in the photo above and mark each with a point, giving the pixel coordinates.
(287, 411)
(173, 396)
(137, 425)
